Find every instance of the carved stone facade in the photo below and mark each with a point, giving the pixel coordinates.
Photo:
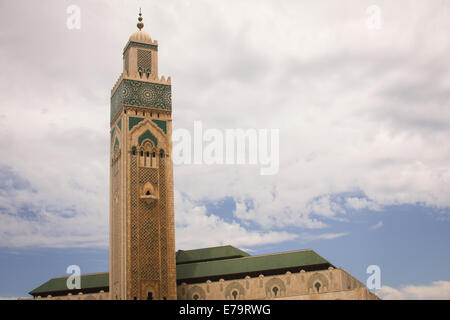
(331, 284)
(142, 235)
(80, 296)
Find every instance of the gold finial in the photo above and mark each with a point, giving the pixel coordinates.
(140, 24)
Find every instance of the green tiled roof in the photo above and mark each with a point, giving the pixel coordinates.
(209, 254)
(251, 264)
(205, 263)
(92, 280)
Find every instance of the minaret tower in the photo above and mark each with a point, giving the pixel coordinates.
(142, 230)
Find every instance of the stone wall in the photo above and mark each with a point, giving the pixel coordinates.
(331, 284)
(325, 284)
(81, 296)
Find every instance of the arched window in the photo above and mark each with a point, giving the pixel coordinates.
(146, 155)
(317, 285)
(275, 291)
(141, 158)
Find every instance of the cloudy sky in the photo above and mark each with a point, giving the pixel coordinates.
(362, 107)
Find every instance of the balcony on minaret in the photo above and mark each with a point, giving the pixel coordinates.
(149, 192)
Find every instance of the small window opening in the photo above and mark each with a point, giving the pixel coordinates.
(275, 291)
(317, 285)
(150, 295)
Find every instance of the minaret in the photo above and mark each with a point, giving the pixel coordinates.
(142, 230)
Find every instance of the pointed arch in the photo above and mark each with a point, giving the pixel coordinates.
(148, 135)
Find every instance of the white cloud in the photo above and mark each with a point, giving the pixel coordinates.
(376, 226)
(361, 203)
(358, 110)
(437, 290)
(323, 236)
(47, 215)
(196, 229)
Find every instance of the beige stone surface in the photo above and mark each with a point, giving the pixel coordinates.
(328, 284)
(142, 232)
(82, 296)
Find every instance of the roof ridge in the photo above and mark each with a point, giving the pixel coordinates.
(260, 255)
(207, 248)
(82, 274)
(277, 253)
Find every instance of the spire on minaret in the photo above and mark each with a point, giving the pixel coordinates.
(140, 35)
(140, 24)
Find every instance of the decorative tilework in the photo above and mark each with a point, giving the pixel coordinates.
(132, 121)
(147, 135)
(142, 94)
(161, 124)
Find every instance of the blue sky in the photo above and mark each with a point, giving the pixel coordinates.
(407, 253)
(363, 118)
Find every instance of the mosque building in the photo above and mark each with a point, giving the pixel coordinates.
(143, 262)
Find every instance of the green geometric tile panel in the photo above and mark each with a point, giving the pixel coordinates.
(132, 121)
(161, 124)
(147, 135)
(141, 94)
